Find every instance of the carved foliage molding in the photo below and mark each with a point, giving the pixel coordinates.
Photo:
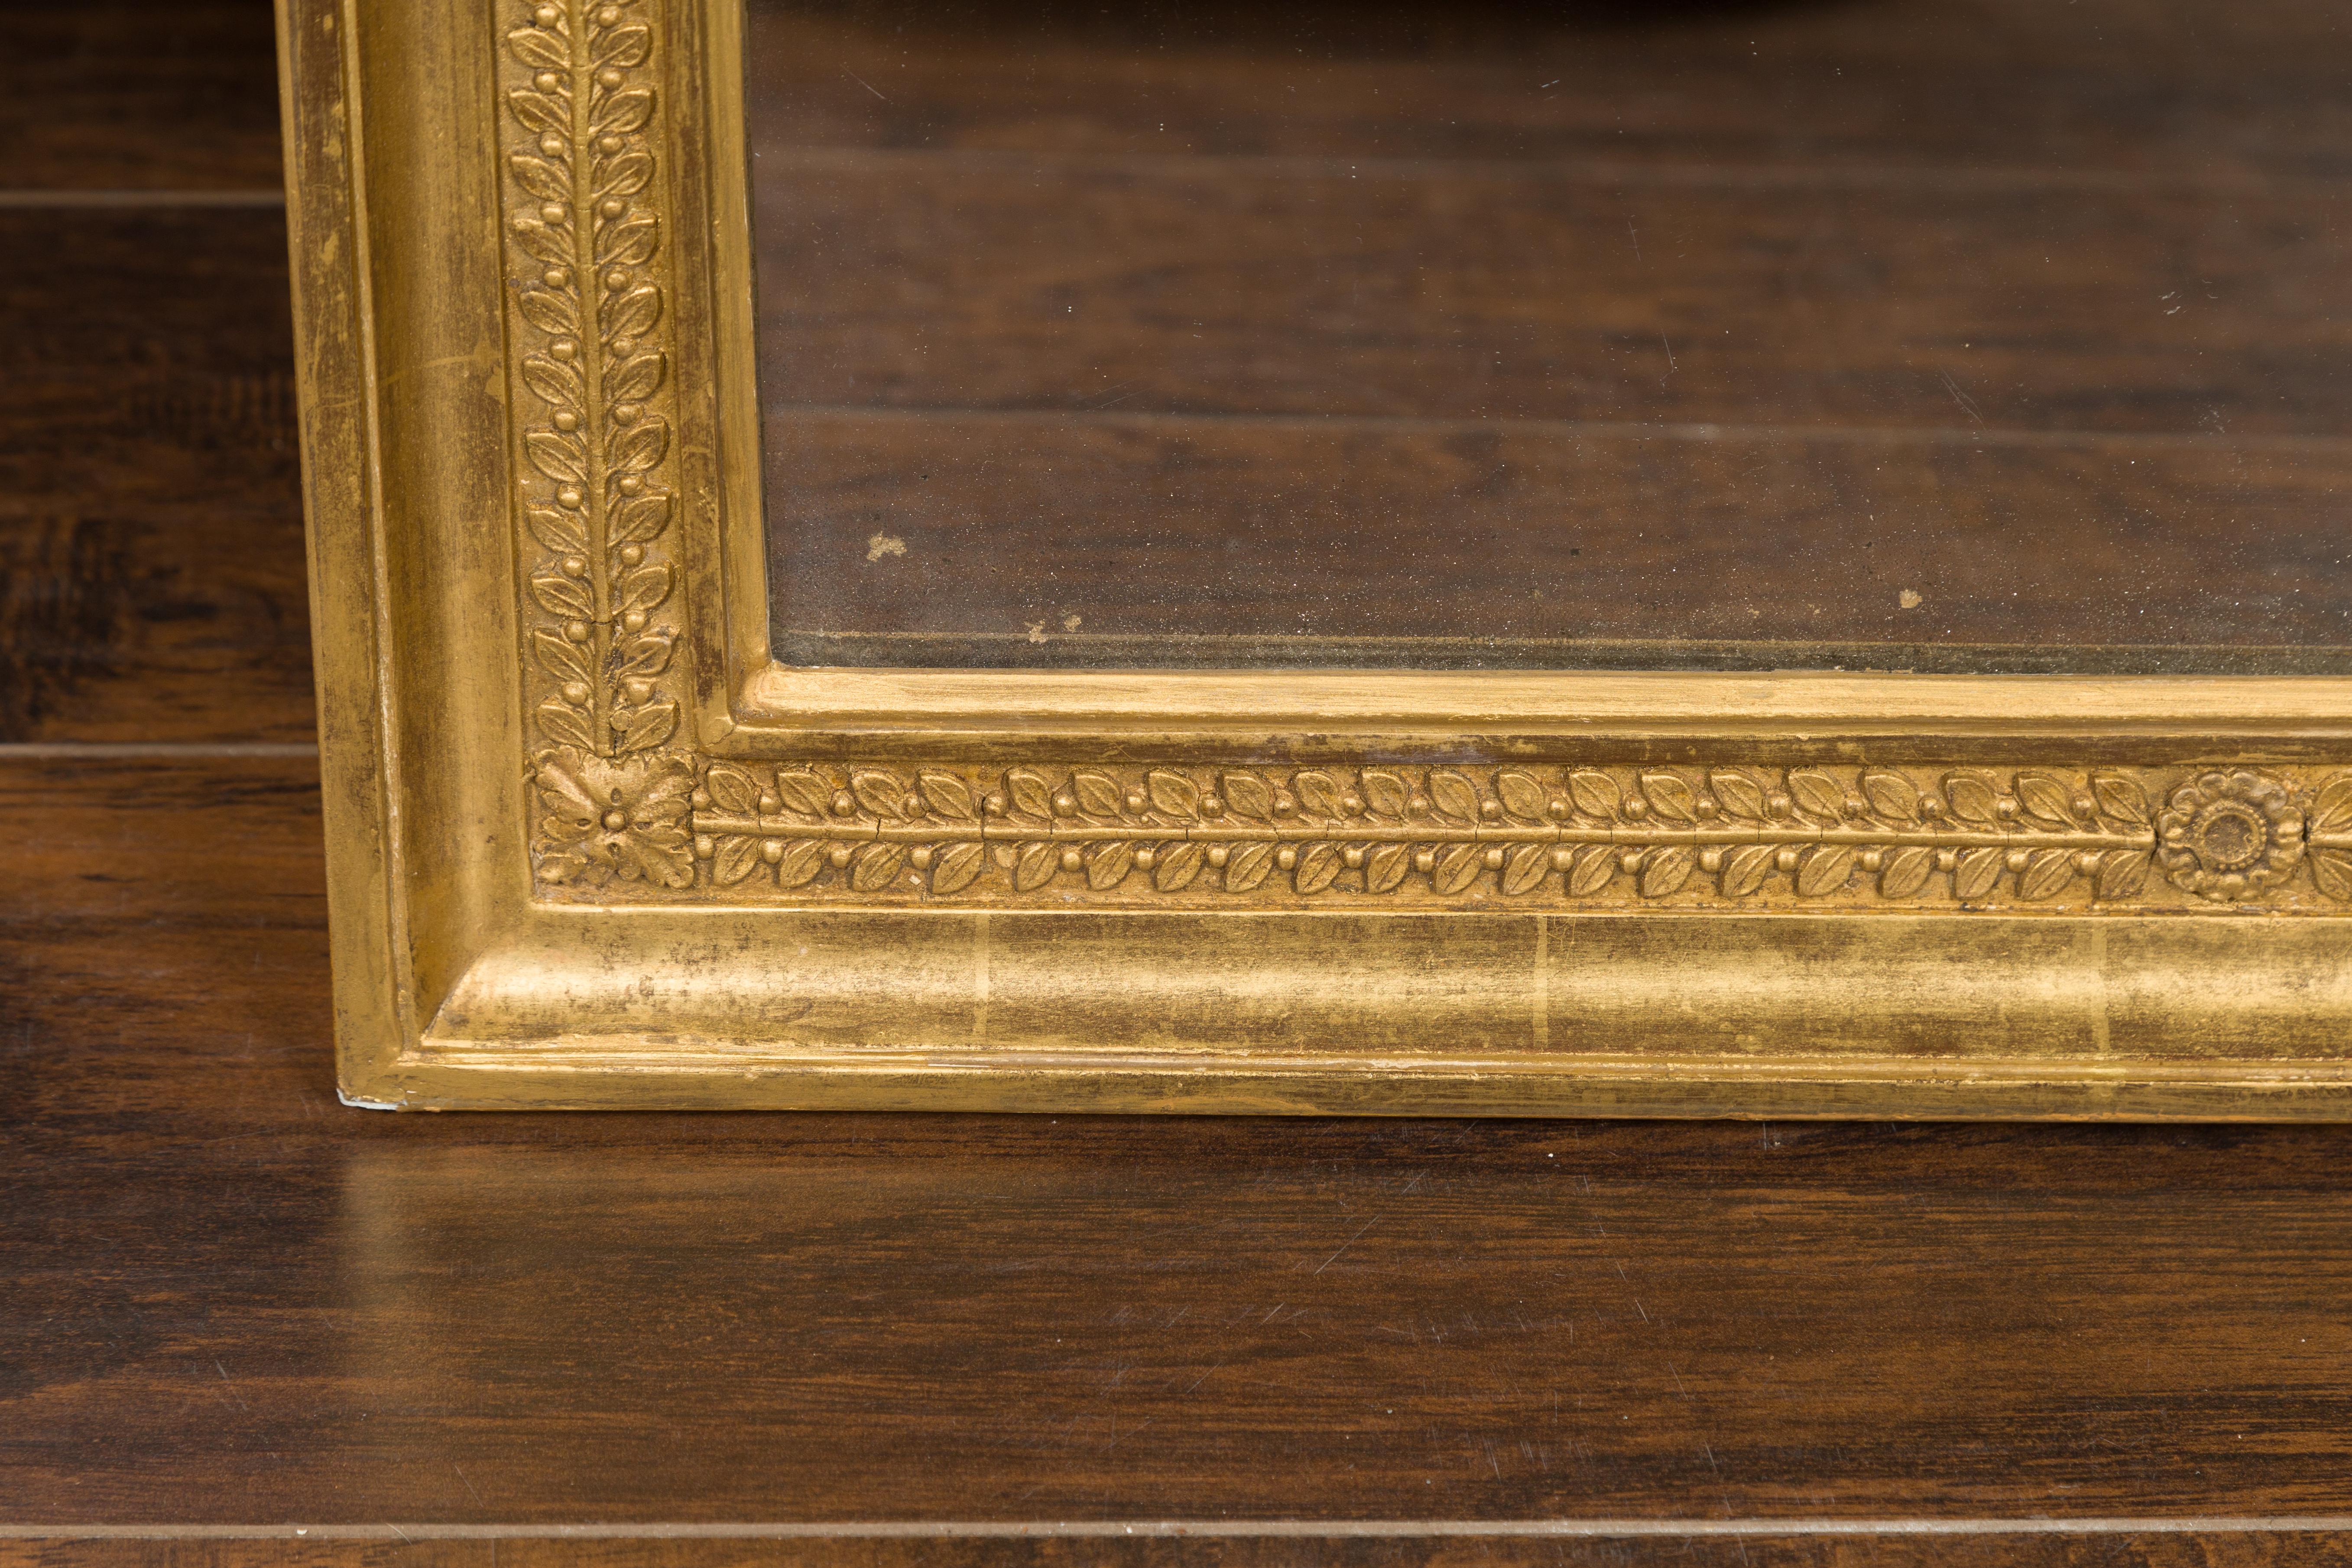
(1960, 839)
(587, 302)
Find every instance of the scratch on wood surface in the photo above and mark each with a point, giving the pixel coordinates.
(231, 1388)
(1347, 1243)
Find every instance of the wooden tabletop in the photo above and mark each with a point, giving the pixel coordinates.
(240, 1324)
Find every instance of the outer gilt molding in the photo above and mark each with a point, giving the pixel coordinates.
(588, 848)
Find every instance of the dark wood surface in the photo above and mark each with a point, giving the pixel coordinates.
(2141, 1549)
(139, 95)
(227, 1301)
(1533, 292)
(151, 526)
(2172, 87)
(1965, 329)
(231, 1302)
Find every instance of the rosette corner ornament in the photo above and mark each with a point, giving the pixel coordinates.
(2237, 834)
(605, 819)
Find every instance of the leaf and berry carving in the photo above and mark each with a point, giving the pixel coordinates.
(588, 305)
(1814, 837)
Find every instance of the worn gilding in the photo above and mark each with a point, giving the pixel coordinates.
(592, 846)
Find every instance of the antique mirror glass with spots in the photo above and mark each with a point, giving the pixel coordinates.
(1960, 335)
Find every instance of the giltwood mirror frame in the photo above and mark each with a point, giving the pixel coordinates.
(589, 846)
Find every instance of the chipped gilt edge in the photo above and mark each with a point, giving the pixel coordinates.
(617, 809)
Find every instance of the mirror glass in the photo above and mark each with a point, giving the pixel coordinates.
(1952, 335)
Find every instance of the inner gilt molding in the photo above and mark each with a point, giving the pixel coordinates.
(620, 808)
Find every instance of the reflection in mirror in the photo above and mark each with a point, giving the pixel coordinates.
(1921, 334)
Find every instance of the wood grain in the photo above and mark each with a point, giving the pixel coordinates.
(234, 1302)
(2214, 1548)
(1495, 292)
(150, 532)
(138, 836)
(150, 95)
(2174, 90)
(225, 1298)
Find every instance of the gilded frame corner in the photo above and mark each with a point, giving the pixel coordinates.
(591, 846)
